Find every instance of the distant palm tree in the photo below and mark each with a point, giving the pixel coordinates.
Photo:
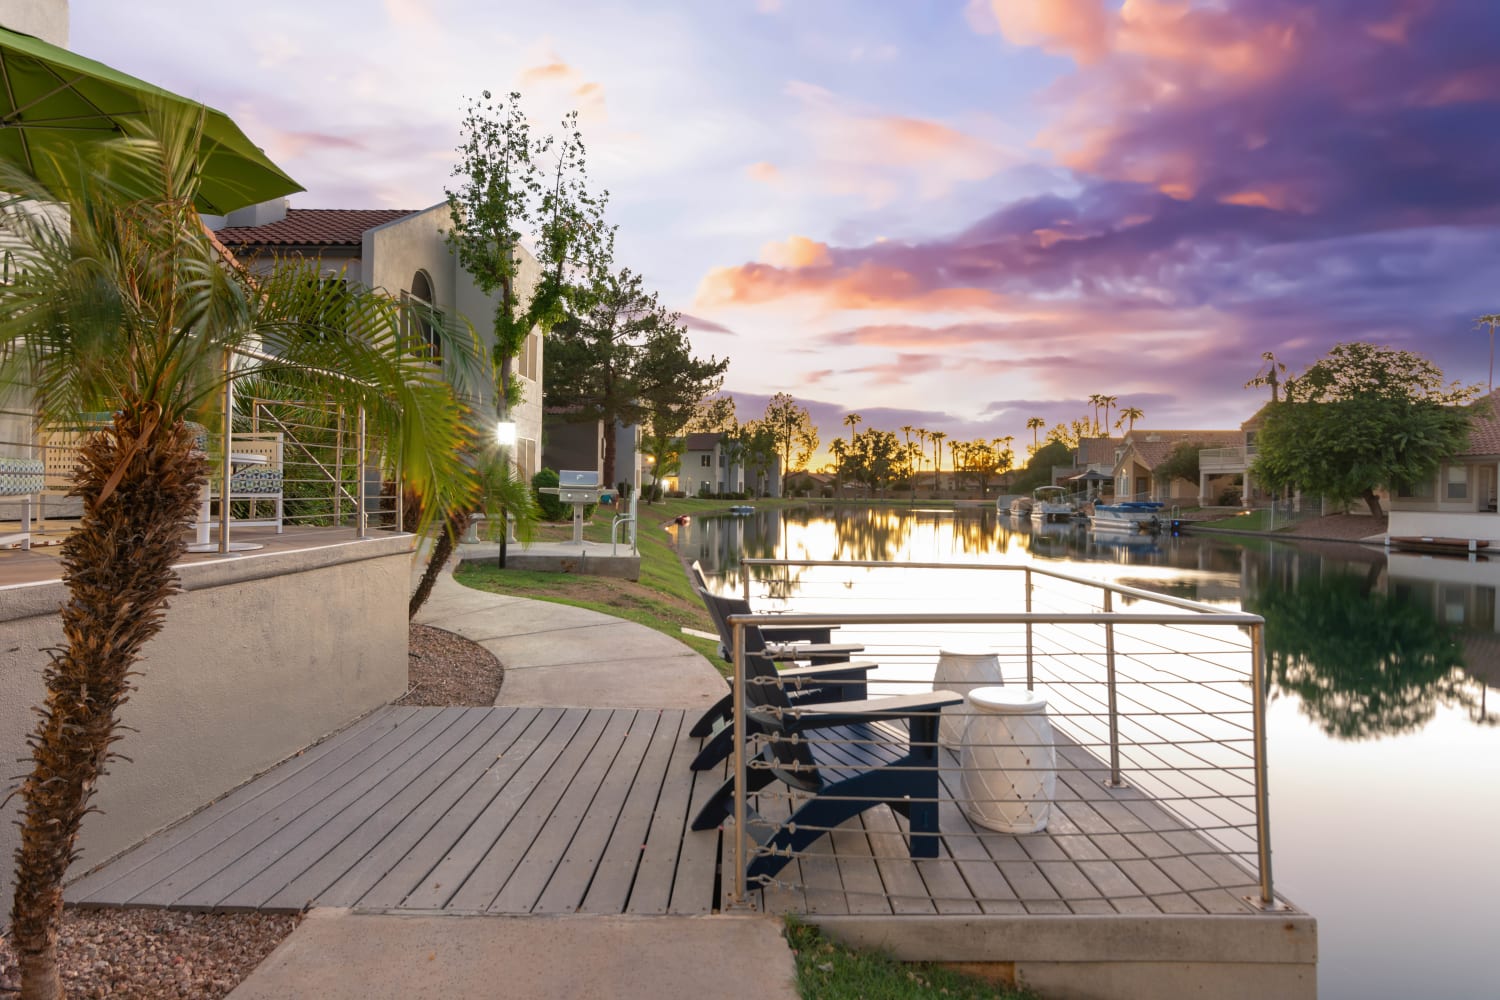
(1130, 413)
(1491, 320)
(1108, 403)
(851, 421)
(1271, 376)
(958, 448)
(937, 469)
(1034, 425)
(1098, 401)
(907, 429)
(922, 449)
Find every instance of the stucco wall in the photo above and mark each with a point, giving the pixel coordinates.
(260, 656)
(1435, 524)
(46, 19)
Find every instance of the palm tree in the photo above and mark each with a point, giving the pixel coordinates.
(1033, 425)
(1108, 403)
(1271, 376)
(1131, 414)
(1097, 401)
(957, 448)
(922, 434)
(937, 469)
(129, 306)
(851, 421)
(1490, 320)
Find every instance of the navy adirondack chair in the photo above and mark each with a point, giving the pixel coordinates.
(849, 755)
(831, 677)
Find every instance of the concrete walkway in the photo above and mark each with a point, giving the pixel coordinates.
(560, 656)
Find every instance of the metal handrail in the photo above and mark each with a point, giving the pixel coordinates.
(1199, 614)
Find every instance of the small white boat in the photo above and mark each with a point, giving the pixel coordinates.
(1050, 505)
(1129, 517)
(742, 510)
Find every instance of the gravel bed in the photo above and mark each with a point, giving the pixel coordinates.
(149, 954)
(447, 670)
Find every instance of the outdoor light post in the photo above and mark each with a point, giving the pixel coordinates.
(505, 436)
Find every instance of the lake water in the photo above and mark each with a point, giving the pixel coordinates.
(1383, 724)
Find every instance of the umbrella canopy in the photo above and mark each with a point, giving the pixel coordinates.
(51, 98)
(1090, 476)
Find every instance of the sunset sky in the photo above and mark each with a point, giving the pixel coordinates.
(953, 214)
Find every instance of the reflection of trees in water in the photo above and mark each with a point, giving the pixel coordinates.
(974, 531)
(870, 534)
(1362, 663)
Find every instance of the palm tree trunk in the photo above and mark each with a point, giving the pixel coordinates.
(117, 568)
(454, 525)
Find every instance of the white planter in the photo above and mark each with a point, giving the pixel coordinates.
(962, 671)
(1009, 764)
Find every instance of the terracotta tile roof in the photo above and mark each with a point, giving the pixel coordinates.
(701, 442)
(1151, 448)
(1097, 449)
(1484, 433)
(323, 227)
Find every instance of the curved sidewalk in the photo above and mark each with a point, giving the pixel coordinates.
(561, 656)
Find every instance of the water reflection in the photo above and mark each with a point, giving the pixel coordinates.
(1368, 644)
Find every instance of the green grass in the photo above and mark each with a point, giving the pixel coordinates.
(1258, 520)
(828, 971)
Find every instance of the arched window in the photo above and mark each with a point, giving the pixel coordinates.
(425, 318)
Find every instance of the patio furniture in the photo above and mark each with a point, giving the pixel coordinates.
(1009, 766)
(830, 677)
(868, 752)
(962, 671)
(23, 478)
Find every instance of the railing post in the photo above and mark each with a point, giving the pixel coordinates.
(1030, 669)
(737, 882)
(227, 470)
(1262, 789)
(338, 470)
(400, 502)
(361, 527)
(1114, 706)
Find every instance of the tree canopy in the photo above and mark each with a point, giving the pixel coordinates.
(623, 358)
(1361, 418)
(790, 427)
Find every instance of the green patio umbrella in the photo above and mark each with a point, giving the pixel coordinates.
(51, 98)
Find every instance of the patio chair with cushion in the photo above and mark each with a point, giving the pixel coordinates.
(849, 755)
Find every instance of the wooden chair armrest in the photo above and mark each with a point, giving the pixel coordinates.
(843, 713)
(811, 650)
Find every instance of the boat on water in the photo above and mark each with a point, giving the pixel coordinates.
(742, 509)
(1128, 517)
(1020, 507)
(1050, 505)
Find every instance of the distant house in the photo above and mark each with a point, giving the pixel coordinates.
(1459, 501)
(1093, 467)
(1223, 465)
(1142, 452)
(404, 253)
(709, 464)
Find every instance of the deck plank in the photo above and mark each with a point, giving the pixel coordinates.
(347, 871)
(492, 857)
(396, 867)
(384, 799)
(668, 832)
(484, 856)
(162, 854)
(564, 889)
(379, 759)
(623, 858)
(698, 855)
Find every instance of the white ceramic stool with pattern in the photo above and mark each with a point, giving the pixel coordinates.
(1009, 765)
(962, 671)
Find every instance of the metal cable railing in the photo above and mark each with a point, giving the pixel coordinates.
(1153, 761)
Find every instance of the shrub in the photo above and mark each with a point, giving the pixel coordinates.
(551, 507)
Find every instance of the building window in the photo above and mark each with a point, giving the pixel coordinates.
(706, 460)
(1414, 491)
(1458, 482)
(531, 350)
(423, 317)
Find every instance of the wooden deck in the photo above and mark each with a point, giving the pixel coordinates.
(551, 810)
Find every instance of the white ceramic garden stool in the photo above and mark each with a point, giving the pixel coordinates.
(962, 671)
(1009, 766)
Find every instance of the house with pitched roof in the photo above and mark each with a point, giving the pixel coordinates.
(1459, 501)
(405, 253)
(710, 463)
(1143, 452)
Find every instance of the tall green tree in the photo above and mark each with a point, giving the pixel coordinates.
(1360, 418)
(623, 357)
(513, 186)
(129, 307)
(791, 427)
